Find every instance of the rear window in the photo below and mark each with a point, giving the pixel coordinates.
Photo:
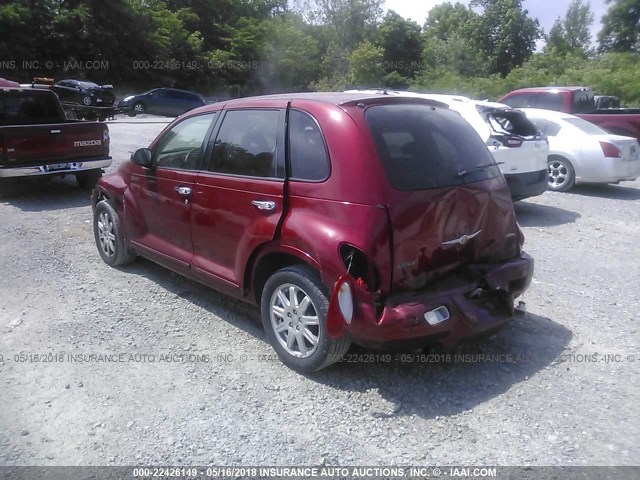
(512, 123)
(28, 107)
(586, 127)
(548, 101)
(422, 147)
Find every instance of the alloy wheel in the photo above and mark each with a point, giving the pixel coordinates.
(106, 235)
(558, 174)
(295, 321)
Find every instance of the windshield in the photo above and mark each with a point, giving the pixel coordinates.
(24, 107)
(422, 147)
(586, 127)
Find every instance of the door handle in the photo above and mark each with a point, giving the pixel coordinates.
(184, 191)
(264, 205)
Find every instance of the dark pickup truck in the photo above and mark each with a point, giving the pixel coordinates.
(36, 138)
(577, 101)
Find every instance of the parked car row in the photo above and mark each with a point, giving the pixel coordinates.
(87, 94)
(539, 149)
(514, 142)
(378, 218)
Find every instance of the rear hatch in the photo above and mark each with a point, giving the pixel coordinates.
(515, 141)
(34, 131)
(448, 204)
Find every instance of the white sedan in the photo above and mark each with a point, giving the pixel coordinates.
(581, 152)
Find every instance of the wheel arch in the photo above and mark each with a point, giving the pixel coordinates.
(563, 157)
(269, 259)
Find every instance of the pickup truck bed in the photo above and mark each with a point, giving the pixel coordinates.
(37, 139)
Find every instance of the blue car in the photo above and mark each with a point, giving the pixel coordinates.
(162, 101)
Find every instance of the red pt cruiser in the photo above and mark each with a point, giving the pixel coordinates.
(361, 218)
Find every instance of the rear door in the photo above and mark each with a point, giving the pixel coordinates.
(448, 204)
(155, 102)
(163, 193)
(175, 102)
(238, 202)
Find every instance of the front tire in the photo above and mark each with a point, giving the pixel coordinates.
(562, 176)
(108, 233)
(294, 314)
(139, 108)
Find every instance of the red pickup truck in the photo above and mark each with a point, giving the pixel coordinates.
(36, 138)
(578, 101)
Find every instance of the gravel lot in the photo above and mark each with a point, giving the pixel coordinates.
(557, 402)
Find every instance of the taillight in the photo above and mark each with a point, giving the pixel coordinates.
(514, 142)
(106, 140)
(505, 141)
(610, 150)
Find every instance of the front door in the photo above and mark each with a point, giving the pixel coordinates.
(238, 203)
(162, 194)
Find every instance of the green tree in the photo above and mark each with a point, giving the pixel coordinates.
(571, 34)
(449, 41)
(621, 27)
(402, 44)
(291, 56)
(365, 65)
(506, 33)
(556, 40)
(577, 22)
(456, 54)
(446, 19)
(351, 21)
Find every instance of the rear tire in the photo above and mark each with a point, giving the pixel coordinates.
(294, 314)
(86, 101)
(562, 176)
(109, 236)
(88, 179)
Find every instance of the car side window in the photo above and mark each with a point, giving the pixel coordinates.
(540, 124)
(518, 100)
(553, 129)
(307, 151)
(183, 146)
(246, 144)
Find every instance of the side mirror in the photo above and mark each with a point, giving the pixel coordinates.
(142, 157)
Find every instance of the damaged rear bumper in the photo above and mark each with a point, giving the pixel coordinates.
(473, 303)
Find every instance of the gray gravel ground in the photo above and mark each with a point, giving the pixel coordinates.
(557, 402)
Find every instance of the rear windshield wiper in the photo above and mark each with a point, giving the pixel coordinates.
(463, 173)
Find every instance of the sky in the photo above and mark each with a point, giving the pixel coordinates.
(546, 11)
